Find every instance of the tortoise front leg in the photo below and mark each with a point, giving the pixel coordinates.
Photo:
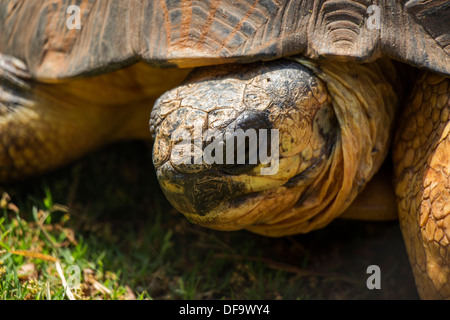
(422, 177)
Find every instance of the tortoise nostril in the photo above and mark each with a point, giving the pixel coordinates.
(242, 143)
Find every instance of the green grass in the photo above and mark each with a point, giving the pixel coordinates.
(107, 216)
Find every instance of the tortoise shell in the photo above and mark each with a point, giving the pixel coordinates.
(170, 33)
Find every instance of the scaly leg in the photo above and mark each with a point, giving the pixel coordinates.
(422, 176)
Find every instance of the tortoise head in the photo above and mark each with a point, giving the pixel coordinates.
(234, 140)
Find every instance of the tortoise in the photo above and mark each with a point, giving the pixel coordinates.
(337, 86)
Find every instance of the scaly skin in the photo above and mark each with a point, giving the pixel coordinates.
(422, 174)
(46, 125)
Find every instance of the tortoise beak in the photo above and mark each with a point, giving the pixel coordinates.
(199, 194)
